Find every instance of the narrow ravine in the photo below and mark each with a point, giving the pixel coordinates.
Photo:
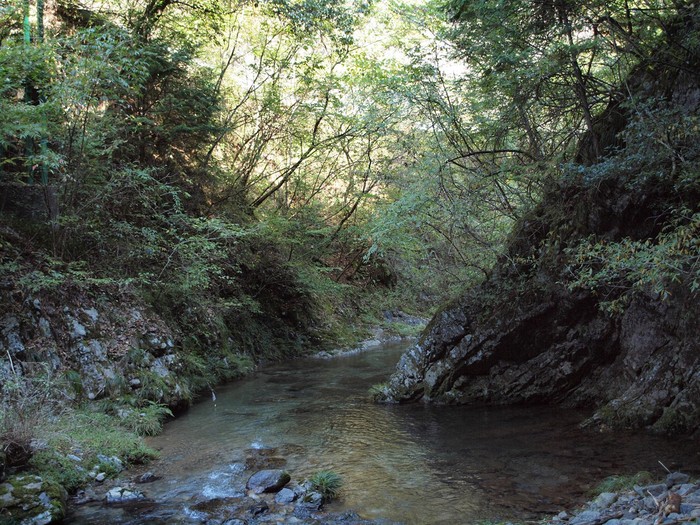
(411, 464)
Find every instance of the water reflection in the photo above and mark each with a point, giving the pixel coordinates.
(416, 464)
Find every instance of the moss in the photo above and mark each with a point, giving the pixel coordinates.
(676, 421)
(623, 416)
(60, 469)
(404, 329)
(28, 496)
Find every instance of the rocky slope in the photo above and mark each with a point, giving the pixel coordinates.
(532, 333)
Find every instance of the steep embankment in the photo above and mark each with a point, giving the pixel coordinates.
(594, 302)
(120, 342)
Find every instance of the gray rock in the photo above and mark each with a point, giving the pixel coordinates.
(650, 503)
(655, 490)
(77, 331)
(84, 496)
(311, 502)
(604, 500)
(268, 481)
(123, 495)
(585, 517)
(9, 327)
(160, 365)
(685, 488)
(92, 314)
(112, 461)
(692, 498)
(285, 496)
(101, 477)
(676, 478)
(44, 327)
(147, 477)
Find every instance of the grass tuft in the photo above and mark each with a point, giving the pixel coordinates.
(620, 483)
(327, 483)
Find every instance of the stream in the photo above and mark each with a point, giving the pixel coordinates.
(413, 464)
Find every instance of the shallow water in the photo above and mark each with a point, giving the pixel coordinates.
(412, 463)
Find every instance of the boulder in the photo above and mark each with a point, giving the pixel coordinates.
(268, 481)
(31, 500)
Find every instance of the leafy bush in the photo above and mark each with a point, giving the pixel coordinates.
(618, 268)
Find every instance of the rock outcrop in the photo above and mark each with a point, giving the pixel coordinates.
(528, 334)
(113, 346)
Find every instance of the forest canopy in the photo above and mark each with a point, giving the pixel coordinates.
(160, 145)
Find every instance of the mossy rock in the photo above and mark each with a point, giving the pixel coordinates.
(31, 500)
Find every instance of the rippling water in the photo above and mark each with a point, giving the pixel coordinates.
(415, 464)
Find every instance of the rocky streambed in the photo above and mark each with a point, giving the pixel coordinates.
(674, 501)
(251, 496)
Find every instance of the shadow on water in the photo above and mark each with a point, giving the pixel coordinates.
(411, 463)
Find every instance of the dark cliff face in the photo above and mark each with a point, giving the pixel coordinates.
(549, 345)
(526, 335)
